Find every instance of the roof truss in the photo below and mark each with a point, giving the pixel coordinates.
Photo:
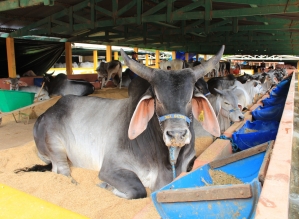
(251, 26)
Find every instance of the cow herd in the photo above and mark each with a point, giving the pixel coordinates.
(131, 146)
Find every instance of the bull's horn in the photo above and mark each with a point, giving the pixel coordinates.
(204, 68)
(141, 70)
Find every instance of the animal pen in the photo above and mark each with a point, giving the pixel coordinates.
(261, 181)
(250, 196)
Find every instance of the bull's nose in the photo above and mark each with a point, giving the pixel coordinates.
(177, 133)
(241, 118)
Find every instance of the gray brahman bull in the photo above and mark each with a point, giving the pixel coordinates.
(131, 146)
(61, 85)
(226, 107)
(108, 70)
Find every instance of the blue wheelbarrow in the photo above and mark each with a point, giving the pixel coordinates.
(195, 196)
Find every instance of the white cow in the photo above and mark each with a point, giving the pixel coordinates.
(175, 64)
(249, 92)
(43, 94)
(226, 107)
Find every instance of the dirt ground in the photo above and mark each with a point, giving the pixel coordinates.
(17, 150)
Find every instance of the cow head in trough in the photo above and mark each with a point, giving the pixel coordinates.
(228, 105)
(171, 99)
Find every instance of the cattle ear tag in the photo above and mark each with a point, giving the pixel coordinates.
(201, 116)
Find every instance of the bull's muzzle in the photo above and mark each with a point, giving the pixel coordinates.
(176, 133)
(177, 138)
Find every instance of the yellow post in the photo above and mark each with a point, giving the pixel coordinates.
(95, 59)
(115, 55)
(298, 73)
(146, 59)
(11, 60)
(68, 58)
(136, 50)
(108, 53)
(204, 57)
(173, 54)
(187, 57)
(157, 58)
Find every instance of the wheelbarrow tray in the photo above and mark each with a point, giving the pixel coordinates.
(189, 197)
(11, 100)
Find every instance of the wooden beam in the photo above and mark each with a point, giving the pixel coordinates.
(146, 59)
(173, 55)
(187, 56)
(68, 58)
(115, 55)
(265, 164)
(205, 193)
(108, 53)
(240, 155)
(136, 50)
(11, 61)
(157, 55)
(95, 59)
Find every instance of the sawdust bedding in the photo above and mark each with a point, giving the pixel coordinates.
(85, 198)
(17, 150)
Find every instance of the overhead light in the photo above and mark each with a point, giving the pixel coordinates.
(63, 40)
(4, 35)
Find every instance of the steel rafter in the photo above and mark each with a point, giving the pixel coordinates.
(166, 25)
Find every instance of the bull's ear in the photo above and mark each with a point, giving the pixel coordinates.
(142, 114)
(204, 113)
(240, 106)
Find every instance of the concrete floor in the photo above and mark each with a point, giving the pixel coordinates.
(294, 183)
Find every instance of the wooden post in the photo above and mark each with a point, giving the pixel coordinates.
(187, 57)
(11, 60)
(68, 58)
(298, 73)
(108, 53)
(173, 55)
(136, 50)
(115, 55)
(204, 57)
(95, 59)
(197, 57)
(157, 56)
(146, 59)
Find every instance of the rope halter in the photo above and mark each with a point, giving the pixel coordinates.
(171, 148)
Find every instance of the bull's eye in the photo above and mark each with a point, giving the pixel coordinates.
(226, 103)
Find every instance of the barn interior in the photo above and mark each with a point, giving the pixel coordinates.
(34, 35)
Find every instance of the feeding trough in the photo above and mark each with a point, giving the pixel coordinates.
(14, 101)
(197, 194)
(255, 133)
